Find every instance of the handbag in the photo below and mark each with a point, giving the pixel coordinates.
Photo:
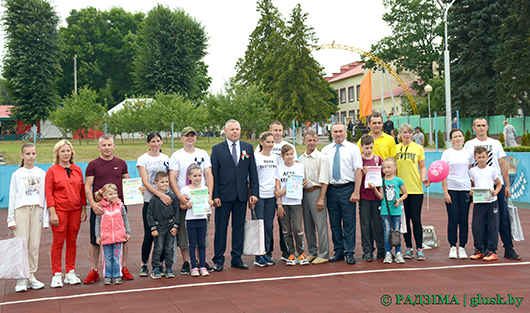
(515, 222)
(429, 238)
(254, 243)
(395, 235)
(14, 259)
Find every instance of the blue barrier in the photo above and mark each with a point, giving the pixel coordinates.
(518, 164)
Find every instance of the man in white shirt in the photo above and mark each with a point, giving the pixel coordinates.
(496, 159)
(345, 165)
(316, 169)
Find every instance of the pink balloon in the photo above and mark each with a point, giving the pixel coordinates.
(438, 171)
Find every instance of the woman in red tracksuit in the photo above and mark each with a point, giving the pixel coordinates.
(112, 230)
(65, 197)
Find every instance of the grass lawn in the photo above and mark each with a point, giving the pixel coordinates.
(128, 151)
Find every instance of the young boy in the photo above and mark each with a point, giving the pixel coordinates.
(484, 176)
(370, 218)
(163, 220)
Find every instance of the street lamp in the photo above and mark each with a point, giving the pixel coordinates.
(428, 89)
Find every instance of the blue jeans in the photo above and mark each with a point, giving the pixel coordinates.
(458, 217)
(197, 238)
(342, 218)
(265, 210)
(112, 260)
(396, 225)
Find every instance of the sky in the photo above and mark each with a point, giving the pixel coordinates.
(229, 23)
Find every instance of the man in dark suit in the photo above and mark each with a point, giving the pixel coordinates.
(234, 170)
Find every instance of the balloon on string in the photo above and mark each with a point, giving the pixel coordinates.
(438, 171)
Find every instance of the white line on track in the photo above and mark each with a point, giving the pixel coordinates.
(107, 293)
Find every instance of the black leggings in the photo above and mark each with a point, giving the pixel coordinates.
(147, 244)
(412, 206)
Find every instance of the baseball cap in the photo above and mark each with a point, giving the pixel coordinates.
(187, 130)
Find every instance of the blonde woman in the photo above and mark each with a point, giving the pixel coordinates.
(65, 196)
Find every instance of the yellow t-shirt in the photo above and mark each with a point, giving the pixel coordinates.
(407, 159)
(384, 146)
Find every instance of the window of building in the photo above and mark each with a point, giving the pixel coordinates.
(351, 94)
(352, 113)
(358, 92)
(343, 95)
(343, 114)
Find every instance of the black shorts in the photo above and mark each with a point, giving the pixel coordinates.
(93, 226)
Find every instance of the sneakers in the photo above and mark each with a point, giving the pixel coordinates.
(71, 278)
(126, 274)
(419, 255)
(452, 253)
(117, 281)
(303, 259)
(490, 257)
(208, 267)
(399, 258)
(509, 253)
(195, 272)
(204, 271)
(57, 280)
(291, 260)
(320, 261)
(92, 277)
(268, 260)
(477, 255)
(285, 256)
(144, 271)
(260, 261)
(170, 273)
(107, 281)
(185, 270)
(33, 283)
(21, 285)
(462, 253)
(155, 274)
(367, 257)
(408, 253)
(388, 258)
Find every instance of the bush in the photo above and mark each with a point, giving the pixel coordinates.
(501, 139)
(358, 135)
(441, 140)
(524, 139)
(467, 135)
(517, 149)
(348, 136)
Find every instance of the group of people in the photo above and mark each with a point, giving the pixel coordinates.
(236, 178)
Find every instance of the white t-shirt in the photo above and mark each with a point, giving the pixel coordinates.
(495, 152)
(266, 166)
(181, 160)
(277, 150)
(458, 161)
(152, 165)
(282, 173)
(185, 191)
(484, 178)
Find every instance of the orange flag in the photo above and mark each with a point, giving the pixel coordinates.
(366, 95)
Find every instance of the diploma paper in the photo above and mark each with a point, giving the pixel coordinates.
(373, 176)
(131, 191)
(482, 195)
(199, 198)
(294, 186)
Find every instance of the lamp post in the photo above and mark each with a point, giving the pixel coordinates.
(428, 89)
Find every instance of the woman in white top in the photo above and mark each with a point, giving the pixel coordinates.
(266, 163)
(456, 189)
(148, 165)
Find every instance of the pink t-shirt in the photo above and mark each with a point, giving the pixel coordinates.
(367, 193)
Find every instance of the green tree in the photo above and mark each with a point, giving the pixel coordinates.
(414, 43)
(299, 90)
(32, 51)
(267, 38)
(104, 42)
(474, 41)
(169, 59)
(437, 100)
(80, 113)
(513, 59)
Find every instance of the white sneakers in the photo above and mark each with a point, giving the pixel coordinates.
(71, 278)
(57, 280)
(21, 285)
(33, 283)
(452, 253)
(388, 258)
(462, 253)
(399, 258)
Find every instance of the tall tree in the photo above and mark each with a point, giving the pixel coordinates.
(171, 48)
(474, 40)
(513, 60)
(267, 38)
(414, 43)
(299, 90)
(31, 62)
(104, 42)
